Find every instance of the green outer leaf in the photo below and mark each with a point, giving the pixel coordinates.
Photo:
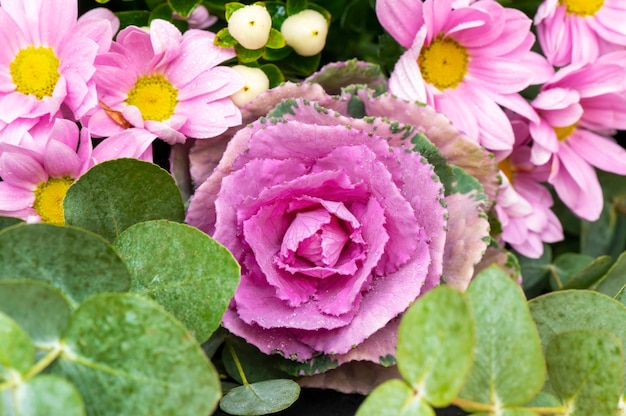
(184, 7)
(505, 332)
(585, 369)
(435, 345)
(394, 398)
(45, 395)
(17, 352)
(191, 275)
(76, 261)
(261, 398)
(570, 310)
(116, 194)
(615, 278)
(467, 184)
(127, 356)
(566, 266)
(39, 308)
(427, 149)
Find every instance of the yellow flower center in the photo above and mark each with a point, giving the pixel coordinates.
(443, 63)
(582, 7)
(49, 199)
(154, 96)
(506, 168)
(562, 133)
(35, 71)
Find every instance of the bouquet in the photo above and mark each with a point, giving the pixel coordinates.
(211, 207)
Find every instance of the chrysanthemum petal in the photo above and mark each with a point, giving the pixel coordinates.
(401, 18)
(15, 198)
(601, 152)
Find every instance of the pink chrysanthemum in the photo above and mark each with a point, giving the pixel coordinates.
(47, 59)
(578, 31)
(452, 57)
(579, 109)
(524, 203)
(200, 18)
(166, 83)
(37, 173)
(38, 168)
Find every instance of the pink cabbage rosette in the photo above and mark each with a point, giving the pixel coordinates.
(338, 223)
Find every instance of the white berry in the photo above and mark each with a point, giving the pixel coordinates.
(305, 32)
(255, 81)
(250, 26)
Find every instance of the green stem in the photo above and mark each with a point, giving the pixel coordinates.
(44, 362)
(244, 380)
(482, 407)
(34, 370)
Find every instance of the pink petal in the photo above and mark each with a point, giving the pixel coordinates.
(14, 198)
(599, 151)
(401, 18)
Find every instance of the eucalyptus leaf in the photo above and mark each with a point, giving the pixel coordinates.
(127, 356)
(260, 398)
(184, 7)
(44, 395)
(394, 398)
(570, 310)
(505, 333)
(615, 278)
(191, 275)
(9, 221)
(436, 344)
(577, 271)
(17, 352)
(590, 274)
(116, 194)
(76, 261)
(39, 308)
(621, 295)
(585, 369)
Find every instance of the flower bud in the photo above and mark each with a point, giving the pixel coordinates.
(305, 32)
(250, 26)
(255, 81)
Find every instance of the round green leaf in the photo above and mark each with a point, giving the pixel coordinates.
(127, 356)
(394, 398)
(77, 262)
(615, 278)
(509, 368)
(38, 307)
(585, 369)
(116, 194)
(44, 395)
(435, 345)
(570, 310)
(186, 271)
(9, 221)
(260, 398)
(17, 352)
